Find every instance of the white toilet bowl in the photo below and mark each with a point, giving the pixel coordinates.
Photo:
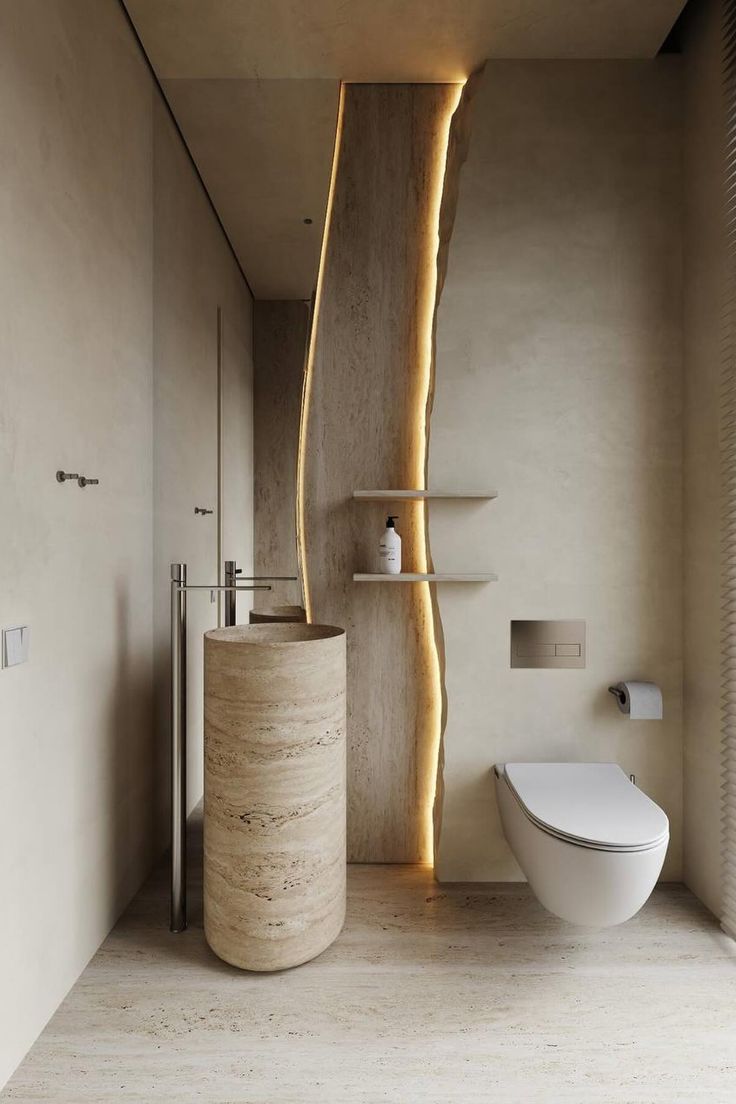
(589, 841)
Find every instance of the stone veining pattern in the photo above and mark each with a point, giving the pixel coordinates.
(452, 995)
(274, 793)
(364, 427)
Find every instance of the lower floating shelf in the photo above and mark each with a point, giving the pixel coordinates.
(413, 577)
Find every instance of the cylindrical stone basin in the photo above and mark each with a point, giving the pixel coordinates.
(274, 792)
(277, 613)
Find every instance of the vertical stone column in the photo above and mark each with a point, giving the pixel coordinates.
(274, 819)
(365, 426)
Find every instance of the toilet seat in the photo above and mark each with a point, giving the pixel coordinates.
(590, 843)
(590, 805)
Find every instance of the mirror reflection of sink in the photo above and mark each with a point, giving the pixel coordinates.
(268, 614)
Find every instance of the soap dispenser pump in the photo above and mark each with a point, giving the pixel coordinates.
(390, 548)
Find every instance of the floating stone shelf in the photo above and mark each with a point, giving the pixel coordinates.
(419, 495)
(417, 577)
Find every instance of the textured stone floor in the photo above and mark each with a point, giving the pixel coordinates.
(432, 994)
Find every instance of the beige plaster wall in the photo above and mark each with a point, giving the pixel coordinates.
(83, 776)
(559, 382)
(76, 816)
(704, 239)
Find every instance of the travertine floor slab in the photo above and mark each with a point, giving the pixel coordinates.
(431, 993)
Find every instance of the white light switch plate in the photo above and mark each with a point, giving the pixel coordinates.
(16, 642)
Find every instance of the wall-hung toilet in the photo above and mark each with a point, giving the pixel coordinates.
(589, 841)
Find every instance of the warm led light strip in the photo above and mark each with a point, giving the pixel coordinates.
(307, 383)
(426, 325)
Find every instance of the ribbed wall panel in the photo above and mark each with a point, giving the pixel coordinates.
(728, 484)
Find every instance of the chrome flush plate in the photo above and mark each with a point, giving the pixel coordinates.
(548, 644)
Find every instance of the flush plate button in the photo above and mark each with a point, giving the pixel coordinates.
(15, 645)
(548, 644)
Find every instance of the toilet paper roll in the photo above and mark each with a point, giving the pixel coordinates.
(640, 701)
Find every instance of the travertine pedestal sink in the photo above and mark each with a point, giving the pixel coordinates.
(274, 789)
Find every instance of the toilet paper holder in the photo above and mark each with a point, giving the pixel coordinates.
(638, 700)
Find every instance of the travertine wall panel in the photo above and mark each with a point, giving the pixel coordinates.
(280, 349)
(365, 428)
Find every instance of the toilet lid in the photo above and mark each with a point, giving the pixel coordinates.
(588, 803)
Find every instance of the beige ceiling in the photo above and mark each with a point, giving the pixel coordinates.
(388, 40)
(254, 85)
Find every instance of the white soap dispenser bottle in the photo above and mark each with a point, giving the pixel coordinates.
(390, 549)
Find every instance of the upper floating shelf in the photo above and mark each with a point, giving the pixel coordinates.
(394, 496)
(416, 577)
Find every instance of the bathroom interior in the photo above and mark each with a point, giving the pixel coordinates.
(367, 482)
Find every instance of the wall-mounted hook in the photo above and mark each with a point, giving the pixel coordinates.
(202, 510)
(85, 482)
(62, 476)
